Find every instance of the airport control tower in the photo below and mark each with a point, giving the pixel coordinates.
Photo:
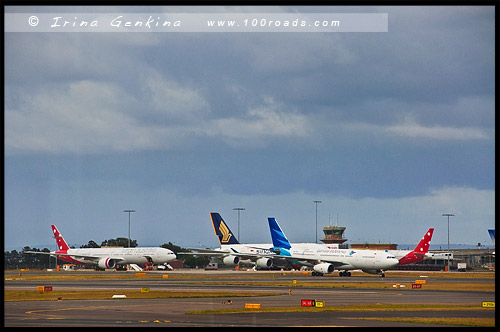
(334, 234)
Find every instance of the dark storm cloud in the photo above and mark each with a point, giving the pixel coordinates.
(401, 119)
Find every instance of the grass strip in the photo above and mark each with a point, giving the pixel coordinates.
(19, 295)
(368, 307)
(477, 287)
(456, 321)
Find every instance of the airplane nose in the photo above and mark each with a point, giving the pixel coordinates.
(391, 262)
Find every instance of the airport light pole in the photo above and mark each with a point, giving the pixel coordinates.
(129, 225)
(448, 215)
(316, 229)
(239, 209)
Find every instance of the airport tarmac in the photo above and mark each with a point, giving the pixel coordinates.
(172, 311)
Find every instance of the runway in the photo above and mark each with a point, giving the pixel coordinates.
(172, 311)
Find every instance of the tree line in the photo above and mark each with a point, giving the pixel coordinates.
(20, 260)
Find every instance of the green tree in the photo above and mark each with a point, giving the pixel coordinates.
(12, 259)
(91, 244)
(22, 260)
(172, 247)
(195, 261)
(119, 242)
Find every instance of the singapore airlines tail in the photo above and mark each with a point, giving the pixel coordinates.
(420, 250)
(61, 244)
(222, 230)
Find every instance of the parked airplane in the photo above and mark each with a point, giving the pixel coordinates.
(108, 258)
(325, 260)
(418, 254)
(232, 252)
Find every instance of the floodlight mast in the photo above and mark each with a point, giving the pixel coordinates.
(316, 229)
(448, 215)
(239, 209)
(129, 211)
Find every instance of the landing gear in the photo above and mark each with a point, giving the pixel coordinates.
(120, 267)
(316, 274)
(344, 274)
(382, 274)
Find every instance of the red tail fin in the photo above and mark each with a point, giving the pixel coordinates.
(420, 250)
(423, 246)
(61, 244)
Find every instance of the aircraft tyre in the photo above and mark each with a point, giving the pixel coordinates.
(344, 273)
(316, 274)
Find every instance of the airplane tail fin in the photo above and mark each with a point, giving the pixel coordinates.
(61, 244)
(492, 234)
(222, 230)
(423, 246)
(420, 250)
(279, 238)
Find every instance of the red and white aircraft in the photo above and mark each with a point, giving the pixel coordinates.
(108, 258)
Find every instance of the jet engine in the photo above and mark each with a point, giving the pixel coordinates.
(107, 263)
(231, 260)
(264, 262)
(323, 268)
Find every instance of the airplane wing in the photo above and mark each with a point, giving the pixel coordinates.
(37, 252)
(311, 261)
(87, 257)
(204, 252)
(209, 252)
(58, 254)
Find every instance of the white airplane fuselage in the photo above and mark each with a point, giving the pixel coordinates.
(248, 248)
(351, 258)
(157, 255)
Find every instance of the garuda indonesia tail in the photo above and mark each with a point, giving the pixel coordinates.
(222, 230)
(280, 241)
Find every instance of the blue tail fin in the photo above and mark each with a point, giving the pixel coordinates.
(279, 238)
(492, 234)
(221, 230)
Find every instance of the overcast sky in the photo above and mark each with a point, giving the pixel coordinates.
(389, 130)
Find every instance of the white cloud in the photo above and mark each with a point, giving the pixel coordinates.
(258, 124)
(279, 53)
(96, 117)
(412, 129)
(90, 117)
(171, 101)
